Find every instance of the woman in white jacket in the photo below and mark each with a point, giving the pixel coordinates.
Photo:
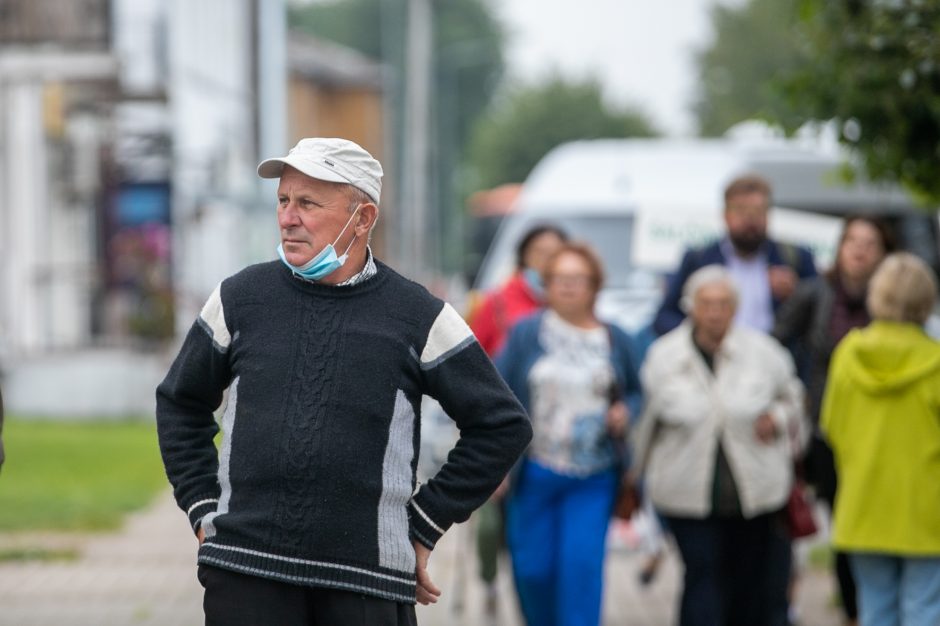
(724, 419)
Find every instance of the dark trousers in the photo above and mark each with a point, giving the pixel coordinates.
(729, 568)
(778, 572)
(847, 591)
(821, 470)
(490, 532)
(233, 599)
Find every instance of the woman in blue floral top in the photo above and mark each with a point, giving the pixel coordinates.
(573, 373)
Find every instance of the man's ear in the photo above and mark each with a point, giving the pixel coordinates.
(368, 213)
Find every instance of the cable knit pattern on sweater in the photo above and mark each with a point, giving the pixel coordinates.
(322, 437)
(309, 392)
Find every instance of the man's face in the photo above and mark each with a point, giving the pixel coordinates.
(311, 213)
(713, 309)
(746, 220)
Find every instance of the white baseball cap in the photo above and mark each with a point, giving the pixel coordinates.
(331, 159)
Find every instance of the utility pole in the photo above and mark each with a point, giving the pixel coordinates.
(415, 231)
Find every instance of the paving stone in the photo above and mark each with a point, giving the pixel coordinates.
(145, 575)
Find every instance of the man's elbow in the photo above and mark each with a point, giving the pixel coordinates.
(527, 430)
(522, 433)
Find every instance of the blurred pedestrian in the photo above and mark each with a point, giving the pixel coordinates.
(519, 296)
(722, 423)
(311, 513)
(574, 374)
(881, 415)
(522, 293)
(818, 315)
(766, 271)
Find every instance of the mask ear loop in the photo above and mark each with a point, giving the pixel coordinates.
(346, 252)
(353, 240)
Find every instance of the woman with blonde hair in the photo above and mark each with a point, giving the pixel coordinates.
(881, 415)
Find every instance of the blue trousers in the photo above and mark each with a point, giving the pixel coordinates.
(895, 590)
(556, 530)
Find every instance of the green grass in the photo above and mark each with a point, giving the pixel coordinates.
(76, 476)
(37, 554)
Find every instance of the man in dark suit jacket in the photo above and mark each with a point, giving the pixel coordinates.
(766, 271)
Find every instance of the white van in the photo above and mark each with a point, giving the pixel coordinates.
(641, 202)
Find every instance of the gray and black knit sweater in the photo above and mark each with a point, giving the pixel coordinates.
(315, 483)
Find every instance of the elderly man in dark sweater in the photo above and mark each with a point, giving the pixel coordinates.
(309, 512)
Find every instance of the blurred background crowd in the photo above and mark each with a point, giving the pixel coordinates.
(130, 130)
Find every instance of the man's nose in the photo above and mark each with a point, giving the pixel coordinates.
(288, 216)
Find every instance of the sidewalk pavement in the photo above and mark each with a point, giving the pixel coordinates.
(145, 575)
(453, 568)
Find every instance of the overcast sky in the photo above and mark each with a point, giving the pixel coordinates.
(642, 52)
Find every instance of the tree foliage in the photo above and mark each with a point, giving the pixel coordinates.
(752, 45)
(875, 71)
(467, 52)
(530, 121)
(352, 23)
(466, 67)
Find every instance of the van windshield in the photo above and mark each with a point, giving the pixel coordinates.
(610, 235)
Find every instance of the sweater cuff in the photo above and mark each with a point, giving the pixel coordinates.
(199, 508)
(423, 527)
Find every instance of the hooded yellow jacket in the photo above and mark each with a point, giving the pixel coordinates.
(881, 414)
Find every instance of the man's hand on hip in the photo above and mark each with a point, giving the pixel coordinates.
(427, 592)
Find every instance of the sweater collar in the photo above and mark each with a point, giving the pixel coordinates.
(367, 272)
(368, 281)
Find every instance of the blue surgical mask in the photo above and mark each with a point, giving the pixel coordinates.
(533, 279)
(325, 262)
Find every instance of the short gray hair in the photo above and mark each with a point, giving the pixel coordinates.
(708, 275)
(356, 197)
(903, 289)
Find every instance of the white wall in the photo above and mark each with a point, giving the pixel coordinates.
(47, 238)
(218, 224)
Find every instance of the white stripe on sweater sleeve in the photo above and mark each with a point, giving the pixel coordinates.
(213, 319)
(448, 335)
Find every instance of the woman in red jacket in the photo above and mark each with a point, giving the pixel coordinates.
(522, 293)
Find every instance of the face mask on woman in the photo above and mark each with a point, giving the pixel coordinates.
(533, 280)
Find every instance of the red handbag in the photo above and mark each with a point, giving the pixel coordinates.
(800, 520)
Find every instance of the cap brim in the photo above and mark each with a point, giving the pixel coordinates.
(273, 168)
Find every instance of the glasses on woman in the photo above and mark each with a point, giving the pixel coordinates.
(570, 280)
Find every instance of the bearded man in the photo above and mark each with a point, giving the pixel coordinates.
(765, 271)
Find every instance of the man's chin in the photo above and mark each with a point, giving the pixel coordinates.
(295, 248)
(747, 245)
(297, 259)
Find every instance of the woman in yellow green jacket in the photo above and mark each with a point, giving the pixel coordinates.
(881, 415)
